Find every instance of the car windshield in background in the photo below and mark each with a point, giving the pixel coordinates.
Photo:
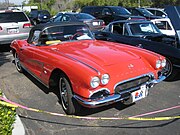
(120, 11)
(145, 12)
(143, 29)
(84, 16)
(164, 25)
(57, 34)
(12, 17)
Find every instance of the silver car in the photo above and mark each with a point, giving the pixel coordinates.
(13, 25)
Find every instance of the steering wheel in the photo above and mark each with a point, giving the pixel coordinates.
(77, 34)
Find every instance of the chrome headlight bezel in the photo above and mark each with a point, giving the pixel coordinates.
(163, 63)
(105, 79)
(95, 82)
(158, 64)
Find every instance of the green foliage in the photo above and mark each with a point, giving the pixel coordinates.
(162, 3)
(76, 5)
(7, 118)
(127, 3)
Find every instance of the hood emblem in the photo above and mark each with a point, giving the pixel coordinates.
(130, 66)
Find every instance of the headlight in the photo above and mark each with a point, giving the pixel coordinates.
(105, 79)
(95, 81)
(158, 64)
(163, 63)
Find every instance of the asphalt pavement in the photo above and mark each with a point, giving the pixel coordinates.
(25, 90)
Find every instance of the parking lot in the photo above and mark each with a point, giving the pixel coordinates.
(25, 90)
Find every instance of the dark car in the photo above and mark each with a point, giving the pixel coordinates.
(109, 13)
(152, 43)
(39, 16)
(93, 23)
(143, 29)
(143, 12)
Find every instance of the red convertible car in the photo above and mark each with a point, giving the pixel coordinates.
(86, 71)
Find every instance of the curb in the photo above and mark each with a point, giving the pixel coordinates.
(18, 127)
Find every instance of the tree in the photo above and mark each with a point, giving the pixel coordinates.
(162, 3)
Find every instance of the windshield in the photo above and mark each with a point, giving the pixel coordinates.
(120, 11)
(83, 16)
(57, 34)
(138, 29)
(145, 12)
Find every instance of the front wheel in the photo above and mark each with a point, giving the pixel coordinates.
(17, 63)
(69, 104)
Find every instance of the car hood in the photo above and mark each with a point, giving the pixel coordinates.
(93, 52)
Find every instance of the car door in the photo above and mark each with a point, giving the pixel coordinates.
(25, 56)
(29, 52)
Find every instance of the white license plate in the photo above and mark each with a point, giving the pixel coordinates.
(12, 31)
(139, 94)
(95, 23)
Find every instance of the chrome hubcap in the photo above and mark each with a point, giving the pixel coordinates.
(17, 63)
(63, 93)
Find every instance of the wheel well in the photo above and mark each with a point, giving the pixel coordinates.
(54, 78)
(13, 51)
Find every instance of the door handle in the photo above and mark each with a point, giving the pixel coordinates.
(21, 49)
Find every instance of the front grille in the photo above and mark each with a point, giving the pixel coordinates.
(132, 84)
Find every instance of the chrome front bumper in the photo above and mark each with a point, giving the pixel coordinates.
(112, 98)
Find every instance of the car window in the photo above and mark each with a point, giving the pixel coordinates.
(35, 37)
(152, 11)
(117, 28)
(65, 18)
(120, 11)
(164, 25)
(135, 12)
(145, 12)
(58, 18)
(159, 13)
(12, 17)
(106, 11)
(143, 28)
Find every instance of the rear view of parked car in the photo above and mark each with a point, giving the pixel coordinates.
(39, 16)
(93, 23)
(13, 25)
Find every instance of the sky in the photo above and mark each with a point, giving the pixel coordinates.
(16, 2)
